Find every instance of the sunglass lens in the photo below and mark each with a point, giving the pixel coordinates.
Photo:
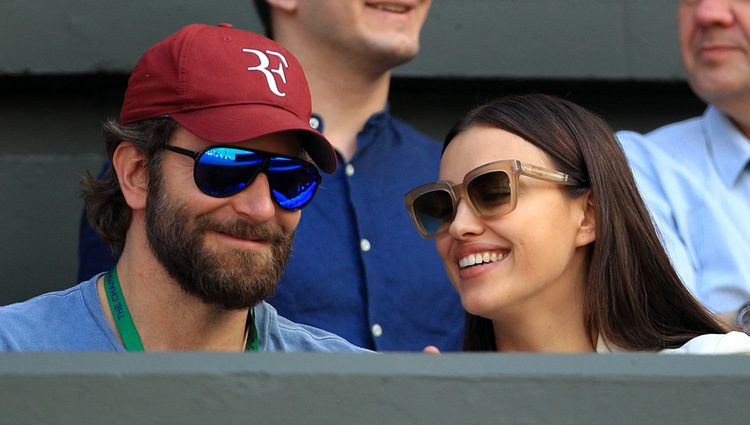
(434, 211)
(223, 172)
(490, 192)
(293, 182)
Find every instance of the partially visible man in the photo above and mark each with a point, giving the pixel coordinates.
(208, 177)
(695, 174)
(375, 282)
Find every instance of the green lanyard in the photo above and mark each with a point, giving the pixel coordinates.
(124, 321)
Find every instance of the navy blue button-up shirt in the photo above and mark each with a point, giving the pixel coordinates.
(359, 269)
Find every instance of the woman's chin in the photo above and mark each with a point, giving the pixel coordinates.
(477, 307)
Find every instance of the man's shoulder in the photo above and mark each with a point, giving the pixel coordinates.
(44, 304)
(278, 333)
(677, 143)
(670, 136)
(678, 133)
(55, 321)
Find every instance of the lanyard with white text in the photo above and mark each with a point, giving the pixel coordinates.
(124, 321)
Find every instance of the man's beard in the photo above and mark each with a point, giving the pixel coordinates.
(232, 278)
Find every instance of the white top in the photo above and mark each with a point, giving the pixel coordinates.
(729, 343)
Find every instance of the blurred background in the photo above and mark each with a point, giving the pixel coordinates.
(64, 66)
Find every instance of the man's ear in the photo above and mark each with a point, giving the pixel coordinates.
(587, 226)
(132, 173)
(285, 5)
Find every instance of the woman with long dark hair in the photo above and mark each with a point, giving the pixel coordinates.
(543, 233)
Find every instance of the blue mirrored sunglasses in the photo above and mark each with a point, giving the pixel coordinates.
(223, 171)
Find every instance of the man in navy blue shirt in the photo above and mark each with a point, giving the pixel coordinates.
(357, 268)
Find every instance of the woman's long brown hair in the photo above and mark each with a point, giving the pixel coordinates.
(634, 299)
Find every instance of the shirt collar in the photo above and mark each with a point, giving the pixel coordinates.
(377, 119)
(375, 132)
(728, 147)
(368, 135)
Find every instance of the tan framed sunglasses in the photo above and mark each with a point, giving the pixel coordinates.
(490, 189)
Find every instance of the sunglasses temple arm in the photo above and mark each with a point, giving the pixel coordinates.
(548, 175)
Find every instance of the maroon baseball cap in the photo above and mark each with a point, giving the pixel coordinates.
(225, 85)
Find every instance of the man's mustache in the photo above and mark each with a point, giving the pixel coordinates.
(241, 230)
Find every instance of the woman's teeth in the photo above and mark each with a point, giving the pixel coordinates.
(393, 8)
(481, 257)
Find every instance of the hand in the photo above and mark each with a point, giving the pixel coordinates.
(431, 349)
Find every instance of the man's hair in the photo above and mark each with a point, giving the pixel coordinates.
(263, 9)
(633, 297)
(106, 209)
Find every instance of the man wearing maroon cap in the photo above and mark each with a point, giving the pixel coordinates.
(210, 171)
(376, 282)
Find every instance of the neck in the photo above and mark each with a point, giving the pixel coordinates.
(550, 321)
(541, 334)
(166, 317)
(345, 91)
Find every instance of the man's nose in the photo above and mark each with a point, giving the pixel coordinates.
(255, 201)
(714, 12)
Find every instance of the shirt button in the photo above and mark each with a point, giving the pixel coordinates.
(364, 245)
(377, 330)
(314, 123)
(349, 170)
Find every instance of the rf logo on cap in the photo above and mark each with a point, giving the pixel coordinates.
(265, 62)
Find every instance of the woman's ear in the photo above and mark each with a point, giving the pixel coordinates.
(285, 5)
(132, 173)
(587, 226)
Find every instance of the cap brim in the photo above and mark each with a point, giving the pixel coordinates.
(235, 123)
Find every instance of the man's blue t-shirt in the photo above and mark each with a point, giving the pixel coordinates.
(73, 320)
